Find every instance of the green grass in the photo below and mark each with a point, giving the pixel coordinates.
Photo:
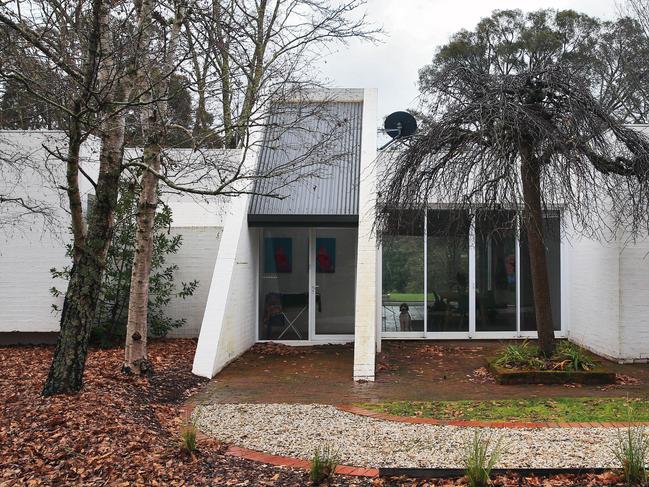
(409, 297)
(563, 409)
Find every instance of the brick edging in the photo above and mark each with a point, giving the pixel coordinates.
(278, 460)
(282, 461)
(483, 424)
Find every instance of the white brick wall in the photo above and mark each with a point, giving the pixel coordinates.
(29, 249)
(228, 327)
(367, 287)
(195, 261)
(594, 304)
(634, 292)
(609, 297)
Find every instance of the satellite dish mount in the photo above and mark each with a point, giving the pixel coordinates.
(399, 125)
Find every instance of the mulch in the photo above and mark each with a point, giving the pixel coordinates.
(120, 430)
(124, 430)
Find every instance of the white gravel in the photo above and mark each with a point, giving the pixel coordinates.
(295, 430)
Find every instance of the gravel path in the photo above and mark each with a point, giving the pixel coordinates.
(295, 430)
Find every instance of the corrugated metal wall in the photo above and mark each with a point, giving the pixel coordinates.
(312, 151)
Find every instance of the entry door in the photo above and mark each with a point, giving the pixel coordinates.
(333, 274)
(284, 284)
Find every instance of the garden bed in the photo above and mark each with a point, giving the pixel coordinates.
(596, 376)
(525, 364)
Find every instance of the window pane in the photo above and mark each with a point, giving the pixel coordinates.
(495, 271)
(284, 284)
(448, 270)
(552, 236)
(335, 255)
(403, 274)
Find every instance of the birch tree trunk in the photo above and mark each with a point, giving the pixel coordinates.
(135, 353)
(533, 220)
(89, 248)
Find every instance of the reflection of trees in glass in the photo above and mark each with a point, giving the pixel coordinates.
(403, 264)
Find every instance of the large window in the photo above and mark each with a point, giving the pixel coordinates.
(449, 271)
(403, 274)
(552, 239)
(495, 256)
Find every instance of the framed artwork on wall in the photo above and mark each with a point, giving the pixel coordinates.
(278, 255)
(325, 256)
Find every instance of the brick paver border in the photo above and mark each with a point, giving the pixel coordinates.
(483, 424)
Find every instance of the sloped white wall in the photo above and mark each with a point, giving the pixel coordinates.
(228, 327)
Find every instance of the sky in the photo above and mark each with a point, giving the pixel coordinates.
(413, 29)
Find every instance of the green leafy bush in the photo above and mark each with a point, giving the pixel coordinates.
(567, 356)
(112, 307)
(482, 456)
(324, 463)
(631, 452)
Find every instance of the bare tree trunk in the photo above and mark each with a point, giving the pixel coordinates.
(533, 221)
(77, 317)
(90, 247)
(135, 354)
(135, 357)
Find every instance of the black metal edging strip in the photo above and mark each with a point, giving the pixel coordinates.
(444, 473)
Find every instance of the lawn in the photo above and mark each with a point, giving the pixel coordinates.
(565, 409)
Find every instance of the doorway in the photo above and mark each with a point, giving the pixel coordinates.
(307, 284)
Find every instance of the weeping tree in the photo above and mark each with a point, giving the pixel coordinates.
(526, 142)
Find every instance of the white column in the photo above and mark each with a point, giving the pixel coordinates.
(367, 285)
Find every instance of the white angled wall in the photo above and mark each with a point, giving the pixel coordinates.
(609, 297)
(228, 327)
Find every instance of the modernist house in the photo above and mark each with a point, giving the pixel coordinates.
(308, 269)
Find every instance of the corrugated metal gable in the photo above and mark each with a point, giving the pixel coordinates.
(314, 151)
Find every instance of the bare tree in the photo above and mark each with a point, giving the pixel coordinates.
(256, 52)
(526, 142)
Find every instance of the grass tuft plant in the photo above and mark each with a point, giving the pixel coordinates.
(483, 454)
(188, 435)
(573, 357)
(631, 452)
(519, 355)
(324, 463)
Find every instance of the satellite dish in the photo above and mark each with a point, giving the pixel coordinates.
(400, 124)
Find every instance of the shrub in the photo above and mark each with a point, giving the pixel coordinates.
(324, 463)
(111, 315)
(483, 454)
(631, 452)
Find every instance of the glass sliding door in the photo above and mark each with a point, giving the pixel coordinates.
(447, 271)
(284, 284)
(403, 272)
(335, 281)
(495, 274)
(552, 238)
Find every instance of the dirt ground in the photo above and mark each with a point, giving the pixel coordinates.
(406, 370)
